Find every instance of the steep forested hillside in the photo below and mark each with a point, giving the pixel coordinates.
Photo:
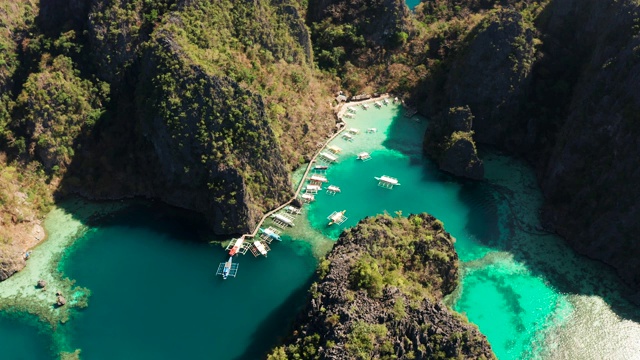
(204, 105)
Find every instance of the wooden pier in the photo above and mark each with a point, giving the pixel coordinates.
(310, 166)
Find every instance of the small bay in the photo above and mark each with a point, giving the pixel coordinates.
(154, 293)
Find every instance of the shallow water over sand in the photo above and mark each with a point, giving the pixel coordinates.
(529, 293)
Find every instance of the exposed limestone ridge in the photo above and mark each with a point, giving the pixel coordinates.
(591, 176)
(243, 172)
(491, 74)
(450, 142)
(380, 296)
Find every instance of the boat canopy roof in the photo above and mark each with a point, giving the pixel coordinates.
(328, 156)
(318, 178)
(388, 179)
(284, 219)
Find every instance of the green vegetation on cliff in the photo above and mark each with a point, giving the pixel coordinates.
(379, 296)
(55, 107)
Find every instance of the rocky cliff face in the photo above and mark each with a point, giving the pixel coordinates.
(380, 294)
(590, 179)
(492, 73)
(214, 148)
(450, 142)
(11, 261)
(202, 104)
(570, 105)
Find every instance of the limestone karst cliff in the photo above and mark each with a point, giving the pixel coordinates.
(380, 296)
(557, 85)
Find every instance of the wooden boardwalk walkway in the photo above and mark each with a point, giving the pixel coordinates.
(311, 163)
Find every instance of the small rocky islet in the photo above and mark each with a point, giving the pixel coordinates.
(379, 295)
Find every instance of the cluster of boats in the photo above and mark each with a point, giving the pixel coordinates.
(285, 218)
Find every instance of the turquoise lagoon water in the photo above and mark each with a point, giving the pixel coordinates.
(412, 3)
(523, 287)
(23, 338)
(154, 294)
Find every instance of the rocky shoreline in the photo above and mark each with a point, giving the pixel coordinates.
(380, 296)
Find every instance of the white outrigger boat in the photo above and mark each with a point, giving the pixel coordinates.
(228, 268)
(364, 156)
(387, 181)
(337, 217)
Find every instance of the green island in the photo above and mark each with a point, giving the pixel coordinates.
(514, 122)
(379, 295)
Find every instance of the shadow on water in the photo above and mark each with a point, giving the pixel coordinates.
(264, 338)
(546, 255)
(166, 218)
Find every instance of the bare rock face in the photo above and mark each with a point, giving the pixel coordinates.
(450, 142)
(11, 261)
(590, 179)
(461, 159)
(41, 284)
(61, 301)
(492, 74)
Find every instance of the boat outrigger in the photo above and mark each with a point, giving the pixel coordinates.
(332, 190)
(237, 246)
(318, 179)
(387, 181)
(337, 217)
(259, 248)
(228, 268)
(282, 220)
(328, 157)
(271, 233)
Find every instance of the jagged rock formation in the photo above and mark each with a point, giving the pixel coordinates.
(492, 73)
(457, 153)
(204, 105)
(590, 178)
(11, 261)
(563, 95)
(243, 168)
(380, 294)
